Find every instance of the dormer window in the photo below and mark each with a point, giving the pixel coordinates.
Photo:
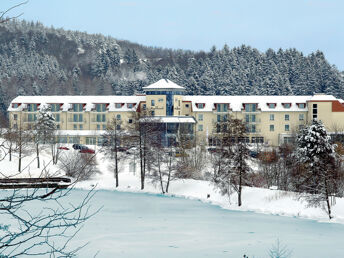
(221, 107)
(130, 105)
(78, 107)
(286, 105)
(200, 105)
(118, 105)
(272, 105)
(249, 107)
(55, 107)
(32, 107)
(101, 107)
(15, 105)
(301, 105)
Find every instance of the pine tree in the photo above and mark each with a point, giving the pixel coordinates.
(318, 166)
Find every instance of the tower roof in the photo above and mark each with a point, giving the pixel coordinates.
(163, 84)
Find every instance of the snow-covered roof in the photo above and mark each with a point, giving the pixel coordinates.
(236, 102)
(89, 102)
(163, 84)
(322, 97)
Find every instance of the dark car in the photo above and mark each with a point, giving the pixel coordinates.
(87, 150)
(253, 154)
(77, 146)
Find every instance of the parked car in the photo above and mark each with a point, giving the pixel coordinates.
(253, 154)
(87, 150)
(63, 148)
(77, 146)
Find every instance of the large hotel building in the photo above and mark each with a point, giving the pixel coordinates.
(272, 120)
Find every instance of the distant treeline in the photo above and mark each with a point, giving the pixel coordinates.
(37, 60)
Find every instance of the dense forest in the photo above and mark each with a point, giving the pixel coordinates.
(37, 60)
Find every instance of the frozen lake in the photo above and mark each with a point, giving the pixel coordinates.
(145, 225)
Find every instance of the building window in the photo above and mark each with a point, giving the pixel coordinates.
(144, 106)
(75, 127)
(250, 118)
(153, 113)
(118, 127)
(250, 107)
(300, 127)
(286, 117)
(98, 127)
(57, 117)
(78, 107)
(55, 107)
(118, 117)
(315, 111)
(15, 105)
(130, 105)
(272, 117)
(101, 107)
(81, 127)
(187, 105)
(31, 117)
(272, 128)
(200, 105)
(57, 126)
(152, 102)
(302, 105)
(301, 117)
(288, 140)
(200, 117)
(77, 118)
(200, 128)
(272, 105)
(130, 121)
(32, 107)
(15, 117)
(118, 105)
(251, 128)
(286, 128)
(286, 105)
(160, 100)
(222, 107)
(257, 140)
(104, 127)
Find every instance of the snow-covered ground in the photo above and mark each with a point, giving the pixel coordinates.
(254, 199)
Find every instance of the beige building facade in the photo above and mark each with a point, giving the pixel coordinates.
(270, 120)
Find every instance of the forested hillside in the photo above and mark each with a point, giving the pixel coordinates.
(37, 60)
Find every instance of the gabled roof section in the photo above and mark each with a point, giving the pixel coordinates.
(163, 84)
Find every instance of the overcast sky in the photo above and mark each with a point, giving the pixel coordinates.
(307, 25)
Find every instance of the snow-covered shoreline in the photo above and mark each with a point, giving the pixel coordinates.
(259, 200)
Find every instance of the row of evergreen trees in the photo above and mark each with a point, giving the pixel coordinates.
(36, 60)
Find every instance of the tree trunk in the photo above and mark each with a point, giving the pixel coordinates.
(328, 200)
(141, 163)
(37, 153)
(19, 157)
(160, 174)
(169, 174)
(116, 166)
(10, 152)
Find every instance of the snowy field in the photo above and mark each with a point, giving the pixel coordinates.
(154, 225)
